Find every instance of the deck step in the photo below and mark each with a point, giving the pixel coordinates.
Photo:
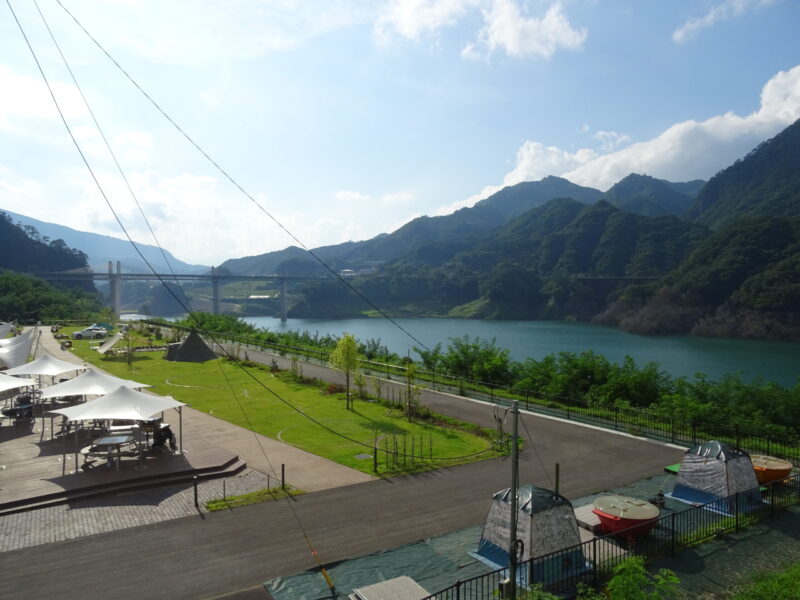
(228, 469)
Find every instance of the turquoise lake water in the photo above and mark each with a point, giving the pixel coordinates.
(678, 355)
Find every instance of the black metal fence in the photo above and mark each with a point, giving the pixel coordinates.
(636, 421)
(592, 563)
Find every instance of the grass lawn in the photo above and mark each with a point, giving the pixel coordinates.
(226, 391)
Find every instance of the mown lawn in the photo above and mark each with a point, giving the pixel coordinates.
(273, 407)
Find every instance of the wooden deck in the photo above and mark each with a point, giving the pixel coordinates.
(33, 474)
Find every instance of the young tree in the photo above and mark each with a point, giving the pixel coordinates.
(344, 358)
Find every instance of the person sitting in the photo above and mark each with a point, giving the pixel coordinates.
(169, 437)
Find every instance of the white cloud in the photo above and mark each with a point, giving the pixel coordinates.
(727, 9)
(30, 101)
(350, 196)
(414, 18)
(505, 27)
(397, 198)
(687, 150)
(611, 140)
(188, 32)
(698, 149)
(208, 100)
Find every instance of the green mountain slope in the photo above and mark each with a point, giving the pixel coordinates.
(485, 215)
(765, 182)
(100, 249)
(646, 195)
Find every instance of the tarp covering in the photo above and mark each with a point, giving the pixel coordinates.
(45, 365)
(17, 354)
(110, 343)
(17, 339)
(12, 383)
(546, 523)
(123, 403)
(90, 383)
(192, 349)
(712, 471)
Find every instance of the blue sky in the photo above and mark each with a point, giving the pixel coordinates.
(347, 118)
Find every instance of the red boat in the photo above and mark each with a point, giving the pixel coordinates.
(619, 513)
(769, 468)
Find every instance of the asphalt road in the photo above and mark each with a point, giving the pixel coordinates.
(229, 554)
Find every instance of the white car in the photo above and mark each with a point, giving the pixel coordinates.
(90, 333)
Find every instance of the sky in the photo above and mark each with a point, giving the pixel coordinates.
(343, 119)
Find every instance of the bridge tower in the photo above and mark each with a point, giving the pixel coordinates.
(284, 300)
(215, 290)
(115, 283)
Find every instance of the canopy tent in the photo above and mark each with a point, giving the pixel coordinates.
(16, 354)
(5, 329)
(12, 383)
(123, 404)
(17, 339)
(714, 472)
(545, 523)
(45, 365)
(90, 383)
(110, 342)
(192, 349)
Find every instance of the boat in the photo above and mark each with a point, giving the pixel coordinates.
(622, 513)
(769, 468)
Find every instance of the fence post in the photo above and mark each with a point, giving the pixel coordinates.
(672, 429)
(196, 503)
(458, 589)
(736, 508)
(283, 476)
(616, 418)
(772, 499)
(595, 580)
(672, 534)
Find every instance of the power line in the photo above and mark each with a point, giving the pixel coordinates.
(236, 184)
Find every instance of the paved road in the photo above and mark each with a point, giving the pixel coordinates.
(230, 554)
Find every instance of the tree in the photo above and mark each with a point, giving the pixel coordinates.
(631, 581)
(344, 358)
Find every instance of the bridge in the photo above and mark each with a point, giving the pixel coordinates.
(215, 278)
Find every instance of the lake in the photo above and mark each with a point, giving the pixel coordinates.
(678, 355)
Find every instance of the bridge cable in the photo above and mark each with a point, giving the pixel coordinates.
(191, 314)
(236, 184)
(122, 226)
(107, 144)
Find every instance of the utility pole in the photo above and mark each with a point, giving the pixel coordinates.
(512, 549)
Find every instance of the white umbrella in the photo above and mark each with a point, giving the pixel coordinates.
(16, 354)
(90, 383)
(5, 328)
(45, 365)
(123, 403)
(17, 339)
(12, 383)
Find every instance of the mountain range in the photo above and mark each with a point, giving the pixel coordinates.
(714, 258)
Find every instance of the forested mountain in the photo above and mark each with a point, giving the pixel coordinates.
(592, 260)
(646, 195)
(100, 249)
(26, 250)
(561, 259)
(485, 215)
(764, 183)
(742, 281)
(28, 299)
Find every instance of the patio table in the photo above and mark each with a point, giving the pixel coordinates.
(113, 442)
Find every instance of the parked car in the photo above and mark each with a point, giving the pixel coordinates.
(90, 333)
